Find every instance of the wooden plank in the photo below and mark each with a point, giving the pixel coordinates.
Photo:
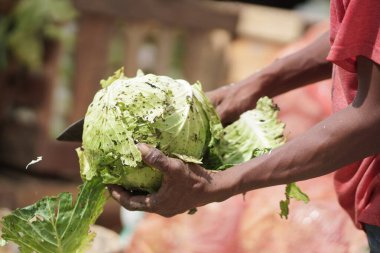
(134, 37)
(165, 46)
(184, 13)
(53, 52)
(270, 24)
(205, 57)
(91, 61)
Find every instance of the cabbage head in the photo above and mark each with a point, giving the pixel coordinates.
(168, 114)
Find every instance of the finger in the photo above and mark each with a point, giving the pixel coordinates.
(226, 117)
(155, 158)
(214, 97)
(129, 201)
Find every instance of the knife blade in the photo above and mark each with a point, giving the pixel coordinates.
(73, 132)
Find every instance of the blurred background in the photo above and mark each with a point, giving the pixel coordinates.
(53, 55)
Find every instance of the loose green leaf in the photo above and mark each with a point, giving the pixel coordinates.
(169, 114)
(292, 191)
(56, 224)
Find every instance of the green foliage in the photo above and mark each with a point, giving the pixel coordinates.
(22, 33)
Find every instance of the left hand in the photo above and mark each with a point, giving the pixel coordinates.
(184, 186)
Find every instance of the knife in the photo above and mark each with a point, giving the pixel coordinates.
(73, 132)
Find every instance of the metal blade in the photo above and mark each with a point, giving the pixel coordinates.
(73, 132)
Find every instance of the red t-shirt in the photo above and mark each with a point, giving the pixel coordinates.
(355, 31)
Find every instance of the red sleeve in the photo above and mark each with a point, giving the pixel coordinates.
(355, 31)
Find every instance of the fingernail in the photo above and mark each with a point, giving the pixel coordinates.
(115, 194)
(144, 149)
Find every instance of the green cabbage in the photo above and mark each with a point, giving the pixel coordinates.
(168, 114)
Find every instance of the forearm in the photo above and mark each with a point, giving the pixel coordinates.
(336, 141)
(304, 67)
(345, 137)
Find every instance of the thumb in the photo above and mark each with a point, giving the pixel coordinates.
(154, 157)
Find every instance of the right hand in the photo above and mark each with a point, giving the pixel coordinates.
(232, 100)
(184, 186)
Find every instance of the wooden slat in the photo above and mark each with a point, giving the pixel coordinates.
(165, 46)
(184, 13)
(134, 38)
(204, 58)
(91, 60)
(50, 75)
(269, 24)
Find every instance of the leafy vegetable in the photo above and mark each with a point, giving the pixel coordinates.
(56, 224)
(169, 114)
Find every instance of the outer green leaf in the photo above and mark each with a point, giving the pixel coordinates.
(56, 224)
(212, 158)
(119, 74)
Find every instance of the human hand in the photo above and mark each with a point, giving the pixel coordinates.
(232, 100)
(184, 186)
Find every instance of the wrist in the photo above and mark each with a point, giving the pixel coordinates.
(262, 82)
(221, 186)
(272, 78)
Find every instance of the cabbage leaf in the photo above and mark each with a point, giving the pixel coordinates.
(57, 224)
(256, 132)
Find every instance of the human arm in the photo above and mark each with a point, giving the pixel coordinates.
(344, 137)
(303, 67)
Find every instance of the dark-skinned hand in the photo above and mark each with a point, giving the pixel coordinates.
(184, 186)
